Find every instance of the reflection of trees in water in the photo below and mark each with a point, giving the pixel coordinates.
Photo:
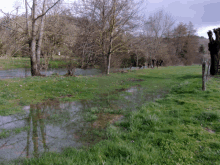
(93, 132)
(70, 115)
(101, 103)
(41, 115)
(69, 118)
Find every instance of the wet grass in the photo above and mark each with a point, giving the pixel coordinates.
(182, 128)
(18, 92)
(7, 133)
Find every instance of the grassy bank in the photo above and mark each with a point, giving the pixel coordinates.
(182, 128)
(24, 62)
(14, 62)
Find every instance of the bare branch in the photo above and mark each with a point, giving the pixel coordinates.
(47, 10)
(7, 15)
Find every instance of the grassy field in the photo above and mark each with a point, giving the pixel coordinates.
(19, 92)
(24, 62)
(14, 62)
(182, 128)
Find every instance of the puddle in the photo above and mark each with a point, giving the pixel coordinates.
(24, 72)
(104, 119)
(53, 126)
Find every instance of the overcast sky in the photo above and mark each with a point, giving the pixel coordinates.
(204, 14)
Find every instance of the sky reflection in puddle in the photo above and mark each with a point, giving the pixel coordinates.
(53, 126)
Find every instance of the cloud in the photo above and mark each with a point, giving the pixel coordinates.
(202, 31)
(155, 1)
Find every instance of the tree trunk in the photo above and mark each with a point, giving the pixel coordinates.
(41, 32)
(137, 59)
(26, 17)
(213, 48)
(34, 68)
(83, 56)
(203, 76)
(108, 63)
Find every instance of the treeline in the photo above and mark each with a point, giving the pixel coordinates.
(101, 33)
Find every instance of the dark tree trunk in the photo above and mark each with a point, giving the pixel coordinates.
(70, 70)
(153, 62)
(214, 50)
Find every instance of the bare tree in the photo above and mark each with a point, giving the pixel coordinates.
(185, 42)
(157, 27)
(35, 56)
(110, 19)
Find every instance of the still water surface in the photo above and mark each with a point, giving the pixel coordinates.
(24, 72)
(54, 125)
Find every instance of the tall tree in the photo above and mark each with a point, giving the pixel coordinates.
(214, 50)
(35, 56)
(110, 19)
(157, 27)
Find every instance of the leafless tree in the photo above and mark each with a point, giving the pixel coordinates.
(109, 20)
(158, 26)
(185, 42)
(35, 55)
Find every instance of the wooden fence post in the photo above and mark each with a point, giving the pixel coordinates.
(203, 75)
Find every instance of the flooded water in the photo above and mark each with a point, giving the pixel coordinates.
(24, 72)
(53, 126)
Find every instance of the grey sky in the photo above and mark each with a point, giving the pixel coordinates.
(204, 14)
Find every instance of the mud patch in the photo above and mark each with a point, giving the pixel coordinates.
(133, 80)
(104, 119)
(209, 130)
(114, 92)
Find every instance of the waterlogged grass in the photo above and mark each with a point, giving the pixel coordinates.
(18, 92)
(182, 128)
(7, 133)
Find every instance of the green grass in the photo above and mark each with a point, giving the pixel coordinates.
(24, 62)
(14, 62)
(57, 63)
(18, 92)
(182, 128)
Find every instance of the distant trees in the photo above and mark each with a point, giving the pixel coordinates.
(175, 45)
(157, 27)
(96, 32)
(107, 22)
(27, 31)
(185, 43)
(202, 49)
